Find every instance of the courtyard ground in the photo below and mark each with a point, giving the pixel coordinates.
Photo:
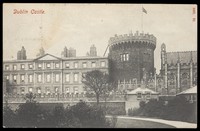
(136, 122)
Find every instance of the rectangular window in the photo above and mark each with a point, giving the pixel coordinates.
(30, 66)
(67, 77)
(7, 77)
(39, 90)
(30, 78)
(103, 63)
(67, 90)
(48, 78)
(75, 90)
(39, 66)
(75, 65)
(39, 78)
(14, 67)
(57, 65)
(83, 76)
(84, 64)
(66, 65)
(56, 89)
(124, 57)
(121, 57)
(148, 95)
(57, 77)
(48, 65)
(127, 57)
(47, 90)
(15, 78)
(22, 78)
(76, 77)
(30, 89)
(22, 90)
(7, 67)
(139, 95)
(93, 64)
(22, 66)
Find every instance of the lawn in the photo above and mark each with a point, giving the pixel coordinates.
(130, 123)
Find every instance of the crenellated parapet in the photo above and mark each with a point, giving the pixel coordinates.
(137, 37)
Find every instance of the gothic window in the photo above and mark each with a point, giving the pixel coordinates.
(184, 76)
(184, 82)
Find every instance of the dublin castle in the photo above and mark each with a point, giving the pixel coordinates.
(130, 62)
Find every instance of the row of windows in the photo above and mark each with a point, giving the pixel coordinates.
(147, 95)
(48, 77)
(48, 91)
(124, 57)
(57, 65)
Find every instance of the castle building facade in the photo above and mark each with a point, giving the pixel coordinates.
(50, 74)
(132, 57)
(178, 70)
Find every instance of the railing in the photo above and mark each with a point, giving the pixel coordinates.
(43, 97)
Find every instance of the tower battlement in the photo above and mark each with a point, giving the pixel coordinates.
(137, 37)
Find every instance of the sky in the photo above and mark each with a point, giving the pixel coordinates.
(81, 25)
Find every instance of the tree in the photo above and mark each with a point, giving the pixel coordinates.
(98, 82)
(8, 116)
(30, 114)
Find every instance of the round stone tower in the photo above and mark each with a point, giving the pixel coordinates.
(131, 56)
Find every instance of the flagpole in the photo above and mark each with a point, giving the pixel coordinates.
(142, 18)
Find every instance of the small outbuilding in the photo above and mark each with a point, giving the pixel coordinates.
(134, 97)
(190, 94)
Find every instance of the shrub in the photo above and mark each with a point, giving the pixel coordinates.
(134, 111)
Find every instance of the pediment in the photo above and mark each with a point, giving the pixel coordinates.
(47, 57)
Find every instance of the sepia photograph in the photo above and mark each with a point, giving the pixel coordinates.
(69, 65)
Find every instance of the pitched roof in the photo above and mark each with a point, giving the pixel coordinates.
(184, 56)
(192, 90)
(141, 90)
